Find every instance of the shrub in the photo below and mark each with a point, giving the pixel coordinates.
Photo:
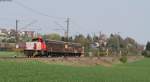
(146, 53)
(102, 53)
(123, 59)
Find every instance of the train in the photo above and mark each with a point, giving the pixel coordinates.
(7, 46)
(51, 48)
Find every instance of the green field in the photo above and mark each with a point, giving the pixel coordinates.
(34, 71)
(10, 54)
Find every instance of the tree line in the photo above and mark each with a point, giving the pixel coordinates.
(101, 45)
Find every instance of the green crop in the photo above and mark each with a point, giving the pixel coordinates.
(34, 71)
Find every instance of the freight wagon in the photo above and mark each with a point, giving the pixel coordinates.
(7, 46)
(39, 47)
(11, 46)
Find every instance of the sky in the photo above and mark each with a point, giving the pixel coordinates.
(126, 17)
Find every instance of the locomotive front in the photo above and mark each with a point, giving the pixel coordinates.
(36, 47)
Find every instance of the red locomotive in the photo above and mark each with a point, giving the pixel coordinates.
(39, 47)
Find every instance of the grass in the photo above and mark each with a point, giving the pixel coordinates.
(34, 71)
(10, 54)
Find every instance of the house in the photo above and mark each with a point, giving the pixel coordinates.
(12, 32)
(28, 33)
(2, 30)
(102, 40)
(3, 34)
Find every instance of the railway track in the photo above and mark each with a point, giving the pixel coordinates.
(13, 57)
(37, 57)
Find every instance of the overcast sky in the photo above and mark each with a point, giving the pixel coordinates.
(129, 17)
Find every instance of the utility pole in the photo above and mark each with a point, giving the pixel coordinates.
(68, 23)
(17, 39)
(118, 43)
(100, 42)
(17, 32)
(100, 34)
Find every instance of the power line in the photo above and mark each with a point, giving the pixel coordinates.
(33, 22)
(5, 0)
(36, 11)
(74, 22)
(62, 27)
(66, 31)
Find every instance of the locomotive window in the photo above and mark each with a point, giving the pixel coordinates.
(37, 40)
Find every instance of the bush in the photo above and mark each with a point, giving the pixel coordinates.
(102, 53)
(123, 59)
(146, 53)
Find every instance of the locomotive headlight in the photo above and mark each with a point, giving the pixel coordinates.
(66, 46)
